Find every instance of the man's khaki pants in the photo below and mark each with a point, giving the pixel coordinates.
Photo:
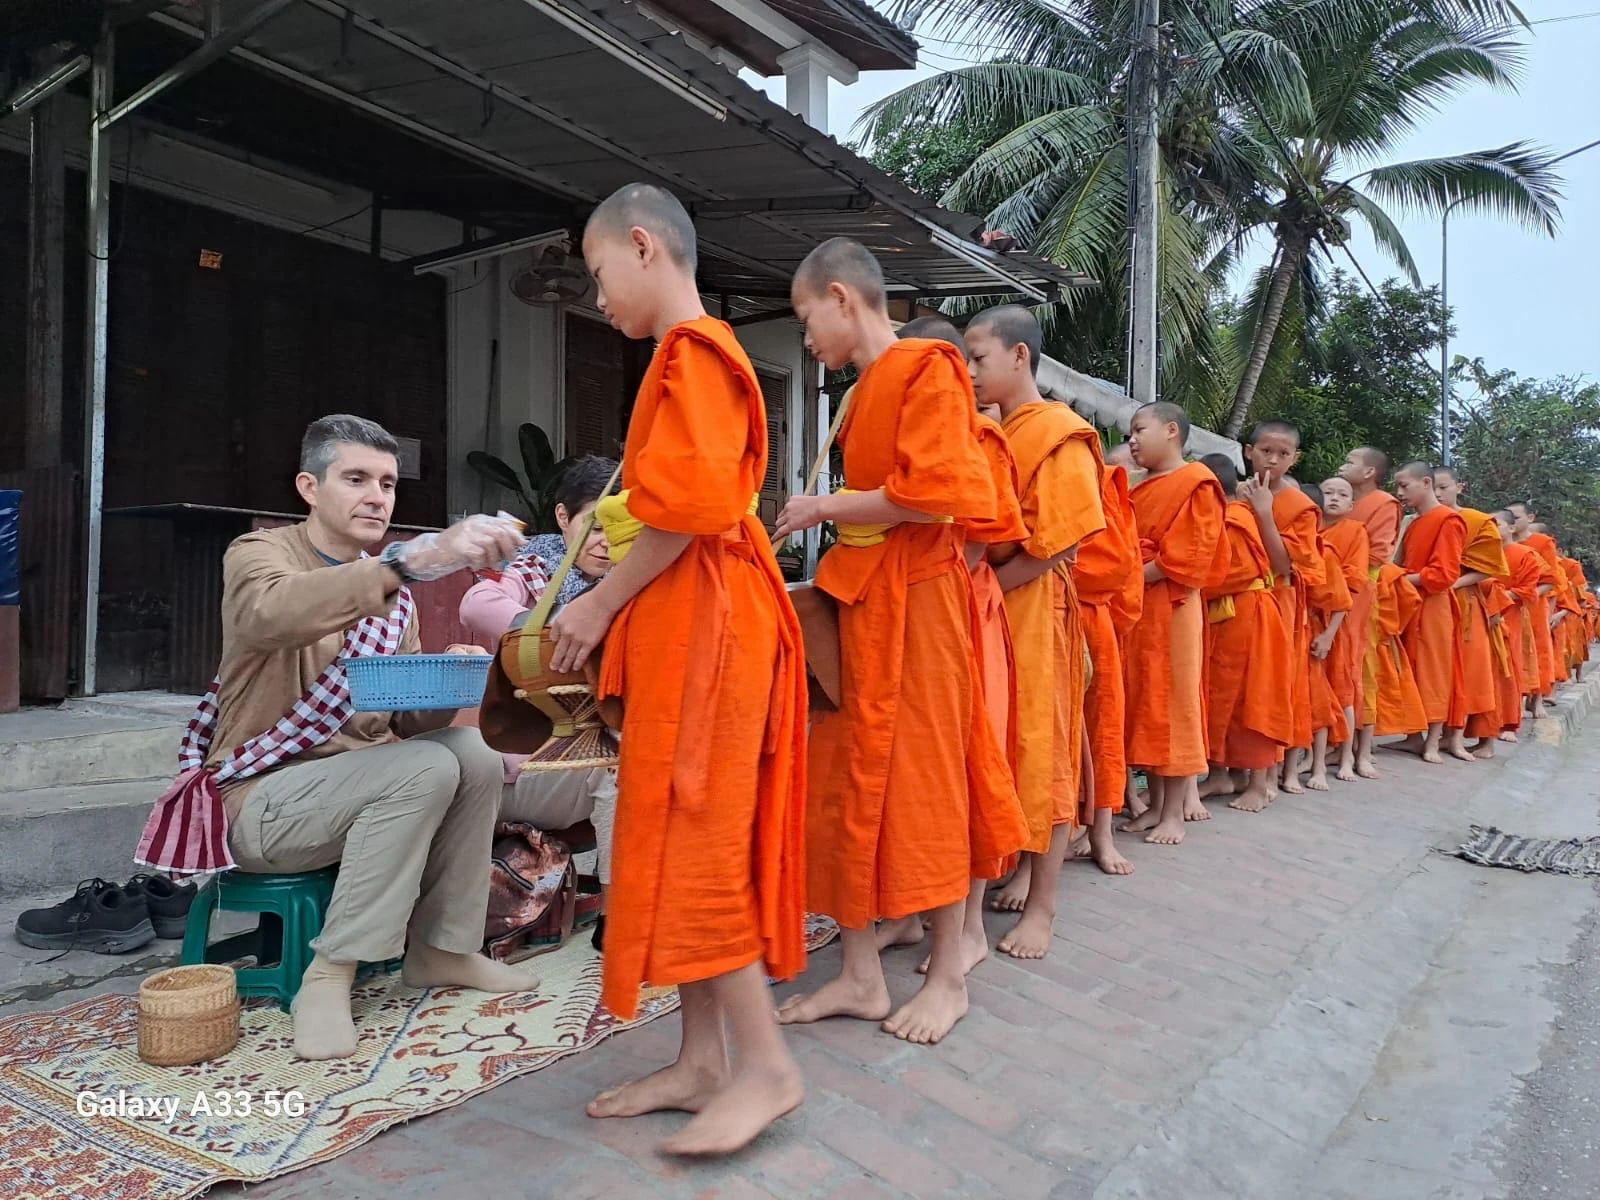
(552, 800)
(410, 825)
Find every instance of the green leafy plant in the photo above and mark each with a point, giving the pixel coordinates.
(543, 472)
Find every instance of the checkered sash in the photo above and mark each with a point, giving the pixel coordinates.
(531, 571)
(187, 832)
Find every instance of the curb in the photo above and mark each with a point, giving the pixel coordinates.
(1568, 710)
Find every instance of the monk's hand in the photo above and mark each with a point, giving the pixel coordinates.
(1258, 492)
(800, 514)
(463, 648)
(1321, 646)
(579, 629)
(1497, 620)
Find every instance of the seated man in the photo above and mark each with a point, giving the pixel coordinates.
(268, 782)
(552, 800)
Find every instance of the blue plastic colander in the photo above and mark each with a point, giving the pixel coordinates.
(407, 682)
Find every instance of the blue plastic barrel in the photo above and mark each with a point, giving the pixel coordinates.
(10, 546)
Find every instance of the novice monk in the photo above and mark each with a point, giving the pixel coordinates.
(1430, 552)
(1329, 604)
(705, 650)
(1179, 507)
(1058, 461)
(1397, 705)
(988, 543)
(1249, 656)
(1475, 705)
(1121, 455)
(1291, 530)
(1110, 582)
(1540, 610)
(1521, 690)
(911, 795)
(1366, 469)
(1347, 539)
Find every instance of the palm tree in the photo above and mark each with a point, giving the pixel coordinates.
(1052, 104)
(1373, 70)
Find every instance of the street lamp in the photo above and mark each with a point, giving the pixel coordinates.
(1444, 332)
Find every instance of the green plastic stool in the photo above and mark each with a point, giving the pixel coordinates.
(291, 907)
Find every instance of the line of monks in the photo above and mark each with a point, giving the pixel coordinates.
(1021, 625)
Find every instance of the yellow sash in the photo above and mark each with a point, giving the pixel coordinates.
(622, 527)
(852, 534)
(1224, 609)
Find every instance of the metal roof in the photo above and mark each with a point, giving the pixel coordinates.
(575, 98)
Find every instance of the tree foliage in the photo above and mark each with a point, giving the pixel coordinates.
(1535, 441)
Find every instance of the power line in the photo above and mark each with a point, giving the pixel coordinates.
(1583, 16)
(1579, 150)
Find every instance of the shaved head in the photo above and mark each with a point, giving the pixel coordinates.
(1222, 467)
(935, 329)
(1167, 413)
(1505, 514)
(1445, 475)
(1283, 428)
(1012, 325)
(1314, 494)
(845, 262)
(1416, 470)
(650, 208)
(1363, 459)
(1538, 527)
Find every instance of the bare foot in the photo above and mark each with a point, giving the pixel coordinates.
(1509, 735)
(930, 1014)
(1345, 774)
(1432, 756)
(974, 949)
(740, 1111)
(682, 1087)
(1366, 768)
(907, 931)
(1319, 780)
(840, 997)
(1410, 745)
(1014, 895)
(1030, 937)
(1466, 755)
(1484, 749)
(1106, 855)
(1144, 822)
(1292, 785)
(1166, 833)
(1253, 800)
(1218, 783)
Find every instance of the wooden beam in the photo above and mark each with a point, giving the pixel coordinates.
(47, 188)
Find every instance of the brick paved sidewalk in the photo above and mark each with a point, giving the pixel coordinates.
(1061, 1069)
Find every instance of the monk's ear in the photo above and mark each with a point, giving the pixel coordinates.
(839, 294)
(642, 243)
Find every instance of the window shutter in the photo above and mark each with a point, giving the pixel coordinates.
(595, 388)
(774, 486)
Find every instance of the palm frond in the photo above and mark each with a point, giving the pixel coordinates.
(1003, 94)
(1384, 231)
(1515, 183)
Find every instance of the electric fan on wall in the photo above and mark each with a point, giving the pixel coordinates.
(552, 277)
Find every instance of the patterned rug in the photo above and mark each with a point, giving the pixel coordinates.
(81, 1118)
(1491, 847)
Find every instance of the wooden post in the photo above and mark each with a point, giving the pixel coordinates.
(47, 187)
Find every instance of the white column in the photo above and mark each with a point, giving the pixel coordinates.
(805, 76)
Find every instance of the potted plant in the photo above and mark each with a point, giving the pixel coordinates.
(537, 492)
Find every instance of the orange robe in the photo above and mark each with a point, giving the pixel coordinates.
(1379, 514)
(1523, 587)
(1540, 612)
(1299, 524)
(1348, 540)
(1431, 550)
(1544, 546)
(709, 840)
(910, 792)
(1110, 581)
(1475, 706)
(1180, 518)
(1397, 703)
(1058, 467)
(1325, 599)
(1248, 654)
(1577, 624)
(999, 538)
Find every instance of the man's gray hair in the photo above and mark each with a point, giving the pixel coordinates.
(320, 446)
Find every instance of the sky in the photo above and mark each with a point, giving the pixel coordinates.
(1522, 300)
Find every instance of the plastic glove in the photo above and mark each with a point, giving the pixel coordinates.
(479, 543)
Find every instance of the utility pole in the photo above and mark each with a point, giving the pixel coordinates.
(1145, 158)
(1444, 333)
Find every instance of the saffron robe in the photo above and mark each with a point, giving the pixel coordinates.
(1398, 704)
(910, 792)
(1431, 550)
(1576, 626)
(709, 852)
(1552, 662)
(1180, 516)
(1475, 707)
(1109, 577)
(1348, 541)
(1249, 654)
(1523, 587)
(1299, 523)
(1058, 468)
(1379, 514)
(1323, 600)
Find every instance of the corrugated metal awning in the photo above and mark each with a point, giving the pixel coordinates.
(577, 97)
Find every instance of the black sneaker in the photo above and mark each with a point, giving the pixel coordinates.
(598, 938)
(99, 916)
(168, 902)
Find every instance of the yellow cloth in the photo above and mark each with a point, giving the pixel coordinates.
(623, 528)
(1223, 608)
(851, 534)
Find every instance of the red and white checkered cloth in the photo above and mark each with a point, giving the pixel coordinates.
(187, 832)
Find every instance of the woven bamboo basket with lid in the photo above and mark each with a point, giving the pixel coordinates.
(188, 1015)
